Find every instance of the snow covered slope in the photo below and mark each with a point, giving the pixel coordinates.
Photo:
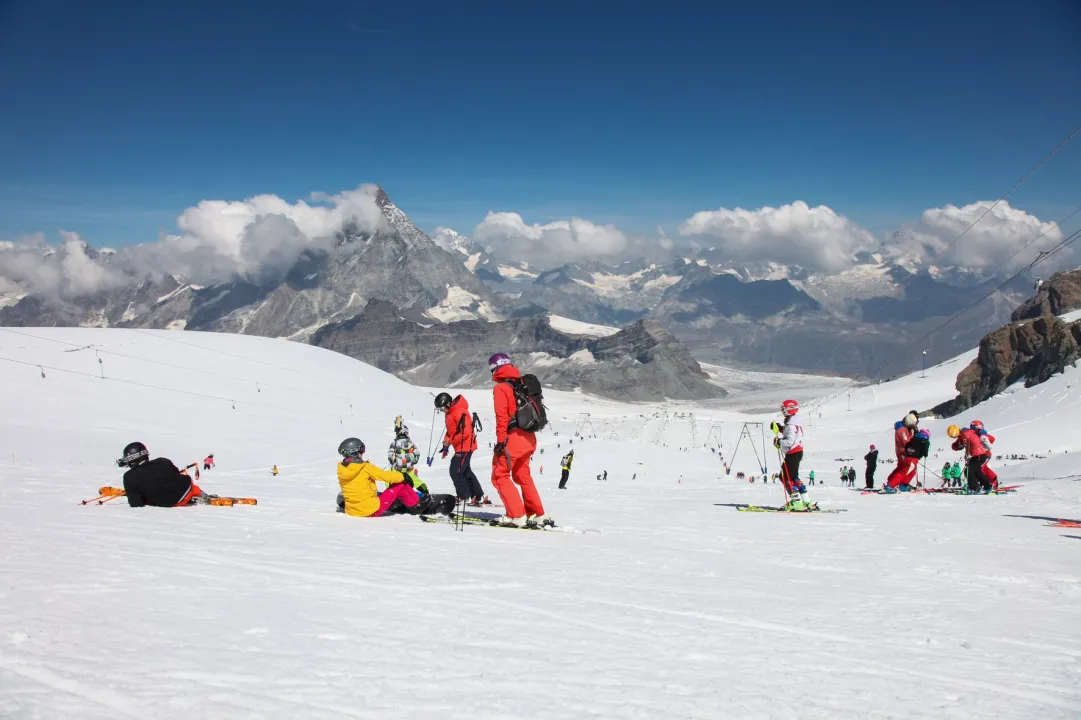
(576, 327)
(904, 606)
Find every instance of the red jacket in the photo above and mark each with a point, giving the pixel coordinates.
(460, 427)
(901, 436)
(969, 441)
(503, 395)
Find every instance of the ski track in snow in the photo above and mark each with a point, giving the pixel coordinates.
(904, 607)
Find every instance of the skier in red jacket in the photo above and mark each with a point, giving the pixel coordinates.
(903, 431)
(513, 450)
(461, 436)
(980, 477)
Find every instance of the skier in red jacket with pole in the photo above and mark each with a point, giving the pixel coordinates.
(513, 450)
(461, 435)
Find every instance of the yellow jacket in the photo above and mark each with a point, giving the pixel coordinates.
(358, 486)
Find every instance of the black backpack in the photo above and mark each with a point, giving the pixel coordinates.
(918, 447)
(530, 415)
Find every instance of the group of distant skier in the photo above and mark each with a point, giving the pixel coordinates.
(911, 446)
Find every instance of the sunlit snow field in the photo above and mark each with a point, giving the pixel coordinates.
(679, 607)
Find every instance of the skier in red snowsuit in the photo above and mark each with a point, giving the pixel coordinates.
(513, 450)
(903, 431)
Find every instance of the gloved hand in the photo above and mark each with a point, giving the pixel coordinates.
(777, 442)
(407, 479)
(500, 448)
(443, 452)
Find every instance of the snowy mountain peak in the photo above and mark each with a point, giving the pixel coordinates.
(452, 241)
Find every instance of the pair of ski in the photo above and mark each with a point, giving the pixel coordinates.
(1072, 524)
(108, 494)
(1003, 490)
(767, 508)
(489, 522)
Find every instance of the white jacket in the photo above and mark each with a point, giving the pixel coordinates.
(792, 435)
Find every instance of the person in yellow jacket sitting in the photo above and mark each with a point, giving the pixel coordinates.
(360, 497)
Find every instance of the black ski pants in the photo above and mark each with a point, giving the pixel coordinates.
(869, 477)
(976, 479)
(466, 484)
(790, 471)
(564, 478)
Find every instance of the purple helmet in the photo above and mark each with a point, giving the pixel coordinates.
(497, 361)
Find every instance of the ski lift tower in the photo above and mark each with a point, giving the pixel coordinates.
(715, 430)
(748, 432)
(581, 423)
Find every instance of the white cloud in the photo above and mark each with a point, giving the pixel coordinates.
(997, 236)
(258, 239)
(796, 234)
(508, 236)
(64, 271)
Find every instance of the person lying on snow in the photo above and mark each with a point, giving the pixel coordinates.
(360, 496)
(157, 482)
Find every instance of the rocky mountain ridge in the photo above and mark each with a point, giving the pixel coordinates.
(640, 362)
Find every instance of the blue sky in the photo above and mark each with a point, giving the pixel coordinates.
(119, 115)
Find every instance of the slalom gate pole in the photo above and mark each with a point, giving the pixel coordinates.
(431, 437)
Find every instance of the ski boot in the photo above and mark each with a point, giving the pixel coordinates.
(507, 521)
(540, 521)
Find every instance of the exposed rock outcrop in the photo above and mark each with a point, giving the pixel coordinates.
(1031, 351)
(641, 362)
(1060, 294)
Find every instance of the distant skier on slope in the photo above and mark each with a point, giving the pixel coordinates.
(903, 432)
(955, 473)
(790, 443)
(360, 496)
(871, 459)
(462, 436)
(851, 477)
(157, 482)
(514, 445)
(208, 461)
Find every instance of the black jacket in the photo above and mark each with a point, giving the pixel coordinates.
(871, 458)
(158, 483)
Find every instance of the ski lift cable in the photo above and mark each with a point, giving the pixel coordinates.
(985, 213)
(172, 390)
(1041, 257)
(177, 367)
(195, 345)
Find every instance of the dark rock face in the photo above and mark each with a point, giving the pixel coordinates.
(1032, 351)
(641, 362)
(1060, 294)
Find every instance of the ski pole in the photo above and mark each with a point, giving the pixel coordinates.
(87, 502)
(431, 438)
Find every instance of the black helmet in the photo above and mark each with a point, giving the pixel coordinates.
(402, 431)
(134, 454)
(351, 448)
(443, 400)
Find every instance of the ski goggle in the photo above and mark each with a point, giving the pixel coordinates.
(127, 460)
